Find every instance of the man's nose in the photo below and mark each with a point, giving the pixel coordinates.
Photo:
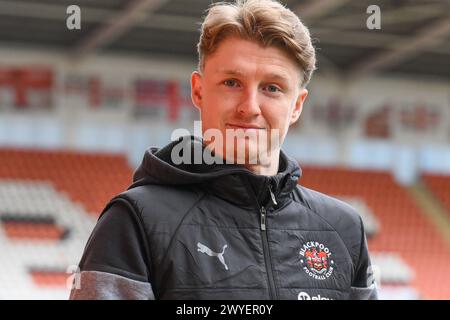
(249, 104)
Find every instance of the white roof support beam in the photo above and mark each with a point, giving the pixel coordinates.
(397, 16)
(429, 36)
(55, 12)
(136, 11)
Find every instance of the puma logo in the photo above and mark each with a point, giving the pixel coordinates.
(204, 249)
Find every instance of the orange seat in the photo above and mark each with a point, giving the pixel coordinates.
(34, 231)
(49, 278)
(82, 175)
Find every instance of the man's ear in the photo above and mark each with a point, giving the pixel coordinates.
(196, 89)
(298, 106)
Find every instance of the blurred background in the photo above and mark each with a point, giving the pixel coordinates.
(79, 107)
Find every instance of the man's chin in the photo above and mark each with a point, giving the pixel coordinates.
(247, 156)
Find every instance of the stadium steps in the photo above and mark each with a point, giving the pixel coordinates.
(432, 208)
(439, 185)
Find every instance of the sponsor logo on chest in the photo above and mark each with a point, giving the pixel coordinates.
(305, 296)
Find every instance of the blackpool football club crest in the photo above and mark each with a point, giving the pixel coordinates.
(316, 261)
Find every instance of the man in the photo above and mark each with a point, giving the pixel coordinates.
(241, 228)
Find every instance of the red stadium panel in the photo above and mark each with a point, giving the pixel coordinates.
(49, 278)
(33, 231)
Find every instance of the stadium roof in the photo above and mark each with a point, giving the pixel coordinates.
(414, 38)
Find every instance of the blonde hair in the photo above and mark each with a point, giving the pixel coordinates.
(267, 22)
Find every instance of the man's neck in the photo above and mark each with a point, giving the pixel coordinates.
(270, 169)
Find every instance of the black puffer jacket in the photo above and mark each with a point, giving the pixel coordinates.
(222, 232)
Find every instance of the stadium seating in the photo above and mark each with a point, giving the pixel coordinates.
(88, 178)
(49, 202)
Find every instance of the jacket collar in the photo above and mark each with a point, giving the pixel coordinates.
(231, 182)
(247, 189)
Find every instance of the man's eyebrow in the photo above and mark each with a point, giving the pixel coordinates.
(231, 72)
(272, 75)
(279, 76)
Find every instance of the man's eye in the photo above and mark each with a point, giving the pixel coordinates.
(272, 88)
(230, 83)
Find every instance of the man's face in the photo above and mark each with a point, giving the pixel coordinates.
(248, 88)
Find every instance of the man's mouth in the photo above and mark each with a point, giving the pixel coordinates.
(243, 126)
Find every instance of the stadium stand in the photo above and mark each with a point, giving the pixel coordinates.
(88, 178)
(49, 202)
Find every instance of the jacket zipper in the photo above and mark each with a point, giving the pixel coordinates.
(272, 196)
(266, 252)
